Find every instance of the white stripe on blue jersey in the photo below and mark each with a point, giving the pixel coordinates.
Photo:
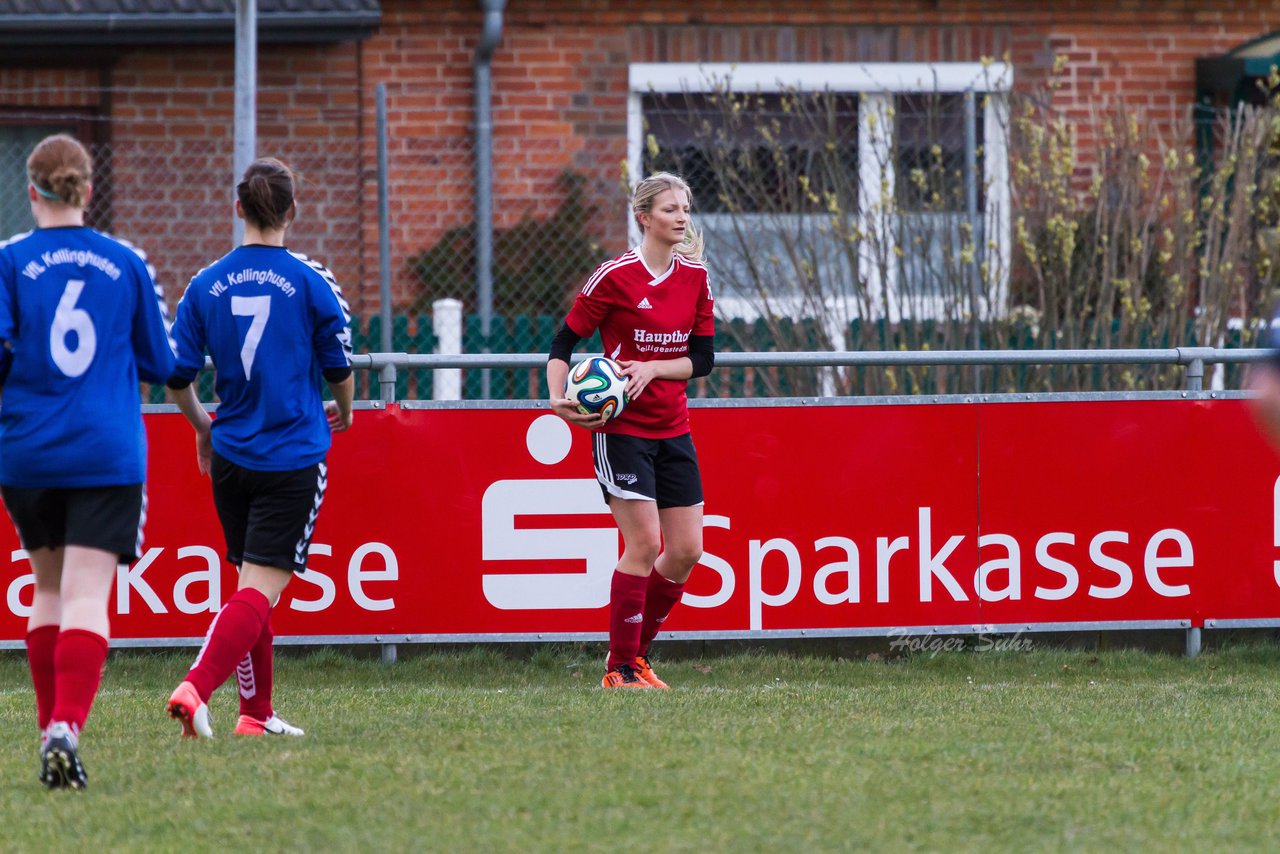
(344, 337)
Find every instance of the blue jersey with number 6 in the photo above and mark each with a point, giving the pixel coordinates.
(272, 320)
(82, 321)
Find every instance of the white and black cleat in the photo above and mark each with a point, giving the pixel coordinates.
(44, 759)
(60, 761)
(274, 725)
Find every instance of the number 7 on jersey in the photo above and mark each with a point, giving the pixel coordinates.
(259, 308)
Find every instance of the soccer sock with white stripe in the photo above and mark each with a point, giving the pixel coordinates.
(235, 630)
(254, 675)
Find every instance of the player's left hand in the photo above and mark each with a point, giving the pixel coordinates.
(639, 375)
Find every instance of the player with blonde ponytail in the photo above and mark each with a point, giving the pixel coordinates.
(653, 308)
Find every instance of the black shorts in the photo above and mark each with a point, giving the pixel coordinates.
(268, 516)
(661, 470)
(96, 517)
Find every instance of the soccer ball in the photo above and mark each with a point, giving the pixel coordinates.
(596, 385)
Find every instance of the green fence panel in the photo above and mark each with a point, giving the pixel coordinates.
(472, 342)
(423, 340)
(400, 344)
(544, 329)
(373, 344)
(501, 382)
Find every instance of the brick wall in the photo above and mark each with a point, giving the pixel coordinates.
(164, 122)
(560, 75)
(172, 134)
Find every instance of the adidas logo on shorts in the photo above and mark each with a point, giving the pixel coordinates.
(644, 303)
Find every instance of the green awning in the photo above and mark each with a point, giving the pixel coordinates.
(1235, 76)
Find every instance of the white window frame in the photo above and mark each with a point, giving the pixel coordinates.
(876, 84)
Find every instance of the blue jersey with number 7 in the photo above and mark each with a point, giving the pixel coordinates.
(272, 320)
(82, 322)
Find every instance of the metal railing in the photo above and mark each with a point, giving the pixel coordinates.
(1194, 359)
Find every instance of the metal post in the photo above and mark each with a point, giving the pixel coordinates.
(1193, 642)
(384, 236)
(1195, 370)
(1195, 375)
(388, 653)
(484, 170)
(246, 100)
(971, 211)
(387, 383)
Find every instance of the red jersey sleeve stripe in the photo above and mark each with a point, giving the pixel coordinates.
(599, 274)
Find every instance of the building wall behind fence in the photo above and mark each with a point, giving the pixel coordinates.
(162, 138)
(560, 92)
(560, 79)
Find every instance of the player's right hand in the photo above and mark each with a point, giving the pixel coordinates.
(204, 450)
(568, 410)
(338, 422)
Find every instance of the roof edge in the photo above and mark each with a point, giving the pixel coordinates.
(122, 30)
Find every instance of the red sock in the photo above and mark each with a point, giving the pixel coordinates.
(659, 599)
(626, 613)
(41, 642)
(233, 633)
(78, 661)
(254, 676)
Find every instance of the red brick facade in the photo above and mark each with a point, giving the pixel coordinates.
(560, 98)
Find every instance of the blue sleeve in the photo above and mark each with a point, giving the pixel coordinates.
(8, 314)
(330, 322)
(8, 297)
(152, 347)
(188, 336)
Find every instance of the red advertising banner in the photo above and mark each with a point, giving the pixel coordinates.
(446, 524)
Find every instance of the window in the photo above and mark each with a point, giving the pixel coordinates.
(939, 193)
(19, 133)
(883, 187)
(741, 152)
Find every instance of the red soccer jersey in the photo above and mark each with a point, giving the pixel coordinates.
(641, 316)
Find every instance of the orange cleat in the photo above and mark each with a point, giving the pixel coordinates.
(186, 707)
(624, 676)
(645, 671)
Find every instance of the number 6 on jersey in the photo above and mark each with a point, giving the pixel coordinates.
(67, 319)
(259, 308)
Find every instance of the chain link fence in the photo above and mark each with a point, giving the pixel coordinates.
(1130, 237)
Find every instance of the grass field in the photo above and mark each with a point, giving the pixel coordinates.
(477, 752)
